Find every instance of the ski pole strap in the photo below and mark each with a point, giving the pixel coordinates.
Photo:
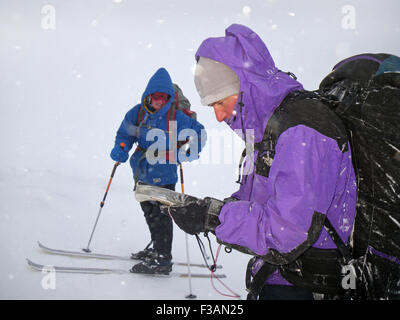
(213, 267)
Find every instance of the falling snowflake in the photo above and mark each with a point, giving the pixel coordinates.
(246, 64)
(246, 10)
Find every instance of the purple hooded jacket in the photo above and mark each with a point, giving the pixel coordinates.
(309, 172)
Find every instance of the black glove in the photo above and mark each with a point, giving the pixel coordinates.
(198, 216)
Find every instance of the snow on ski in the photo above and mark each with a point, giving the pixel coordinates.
(67, 269)
(107, 256)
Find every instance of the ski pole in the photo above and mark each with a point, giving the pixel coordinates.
(182, 182)
(190, 295)
(122, 145)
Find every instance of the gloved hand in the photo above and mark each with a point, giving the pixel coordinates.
(199, 216)
(119, 154)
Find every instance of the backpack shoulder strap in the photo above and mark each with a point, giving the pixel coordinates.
(341, 246)
(176, 99)
(171, 116)
(140, 116)
(255, 285)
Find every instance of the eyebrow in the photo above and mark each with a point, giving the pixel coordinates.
(219, 101)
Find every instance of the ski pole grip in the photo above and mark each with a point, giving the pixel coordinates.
(122, 145)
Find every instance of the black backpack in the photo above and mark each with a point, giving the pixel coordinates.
(365, 110)
(369, 106)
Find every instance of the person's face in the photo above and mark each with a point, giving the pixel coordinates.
(224, 108)
(158, 100)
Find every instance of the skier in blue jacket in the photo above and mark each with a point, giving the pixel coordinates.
(157, 127)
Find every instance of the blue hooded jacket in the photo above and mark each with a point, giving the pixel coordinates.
(153, 131)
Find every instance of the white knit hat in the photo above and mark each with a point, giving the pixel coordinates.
(214, 81)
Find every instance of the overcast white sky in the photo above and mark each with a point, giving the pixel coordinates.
(70, 70)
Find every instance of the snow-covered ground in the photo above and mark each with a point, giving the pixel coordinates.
(70, 70)
(59, 210)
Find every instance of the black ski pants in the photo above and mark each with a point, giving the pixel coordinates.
(160, 225)
(278, 292)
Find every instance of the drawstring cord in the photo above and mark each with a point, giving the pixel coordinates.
(244, 153)
(242, 157)
(241, 105)
(213, 267)
(213, 276)
(290, 74)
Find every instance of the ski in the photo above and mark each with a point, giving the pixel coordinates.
(108, 256)
(67, 269)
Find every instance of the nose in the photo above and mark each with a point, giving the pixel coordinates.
(219, 113)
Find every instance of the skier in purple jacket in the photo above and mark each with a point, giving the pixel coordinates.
(298, 185)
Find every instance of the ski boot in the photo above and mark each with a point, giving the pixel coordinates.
(143, 255)
(158, 264)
